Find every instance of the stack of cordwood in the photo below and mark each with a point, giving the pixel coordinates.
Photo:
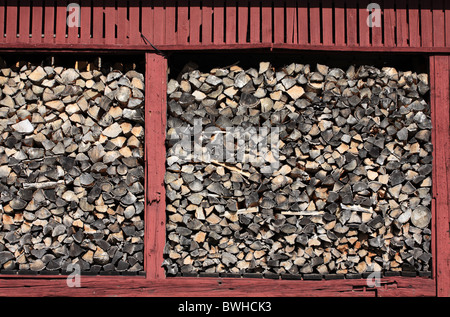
(71, 169)
(351, 194)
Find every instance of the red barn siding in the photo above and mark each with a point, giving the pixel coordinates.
(409, 25)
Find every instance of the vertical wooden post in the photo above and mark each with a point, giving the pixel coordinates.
(440, 108)
(155, 158)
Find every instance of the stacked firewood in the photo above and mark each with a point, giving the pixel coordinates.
(71, 169)
(351, 193)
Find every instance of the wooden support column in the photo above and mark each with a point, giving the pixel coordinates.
(440, 110)
(155, 158)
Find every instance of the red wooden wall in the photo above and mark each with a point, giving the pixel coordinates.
(406, 25)
(105, 25)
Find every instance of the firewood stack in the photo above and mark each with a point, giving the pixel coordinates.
(71, 169)
(352, 194)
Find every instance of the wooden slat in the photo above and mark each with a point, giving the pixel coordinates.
(97, 22)
(266, 21)
(36, 29)
(147, 20)
(255, 21)
(110, 22)
(377, 31)
(123, 24)
(352, 26)
(124, 286)
(155, 127)
(230, 21)
(389, 24)
(11, 22)
(24, 21)
(183, 22)
(207, 15)
(440, 105)
(61, 21)
(339, 26)
(426, 17)
(243, 25)
(438, 23)
(2, 25)
(49, 24)
(171, 36)
(402, 24)
(278, 27)
(413, 16)
(195, 21)
(303, 22)
(86, 20)
(327, 22)
(219, 12)
(315, 27)
(447, 23)
(291, 22)
(72, 31)
(134, 35)
(364, 29)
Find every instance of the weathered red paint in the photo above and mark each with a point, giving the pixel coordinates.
(202, 22)
(409, 26)
(155, 159)
(440, 106)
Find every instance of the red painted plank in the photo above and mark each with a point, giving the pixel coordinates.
(255, 21)
(352, 26)
(97, 22)
(36, 29)
(364, 29)
(402, 24)
(278, 27)
(135, 37)
(61, 22)
(327, 22)
(110, 22)
(291, 22)
(72, 31)
(243, 26)
(2, 25)
(11, 22)
(147, 20)
(266, 22)
(377, 31)
(207, 26)
(219, 12)
(171, 36)
(155, 127)
(24, 21)
(123, 24)
(85, 22)
(438, 23)
(303, 22)
(447, 23)
(440, 103)
(426, 17)
(230, 18)
(315, 26)
(389, 25)
(121, 286)
(414, 30)
(195, 21)
(49, 24)
(339, 24)
(183, 22)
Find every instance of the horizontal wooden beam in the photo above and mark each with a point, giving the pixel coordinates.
(113, 49)
(216, 287)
